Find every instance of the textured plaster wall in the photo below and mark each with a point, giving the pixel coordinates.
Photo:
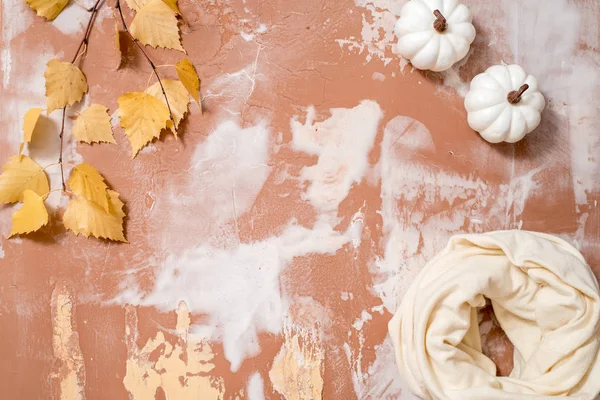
(270, 245)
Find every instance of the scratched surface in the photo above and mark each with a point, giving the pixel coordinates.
(270, 245)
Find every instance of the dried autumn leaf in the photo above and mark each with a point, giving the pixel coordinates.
(118, 44)
(136, 5)
(93, 125)
(21, 173)
(48, 9)
(178, 99)
(173, 6)
(143, 116)
(65, 84)
(189, 77)
(31, 118)
(88, 218)
(155, 24)
(31, 216)
(86, 181)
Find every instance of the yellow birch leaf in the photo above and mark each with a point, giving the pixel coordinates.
(86, 181)
(136, 5)
(65, 84)
(88, 218)
(93, 125)
(31, 118)
(173, 6)
(178, 99)
(48, 9)
(143, 116)
(155, 24)
(189, 77)
(31, 216)
(21, 173)
(118, 45)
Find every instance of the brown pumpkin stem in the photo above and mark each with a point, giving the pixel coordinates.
(439, 24)
(514, 96)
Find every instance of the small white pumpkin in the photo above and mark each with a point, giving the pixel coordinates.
(434, 34)
(504, 104)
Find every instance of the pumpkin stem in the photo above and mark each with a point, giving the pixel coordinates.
(439, 24)
(514, 96)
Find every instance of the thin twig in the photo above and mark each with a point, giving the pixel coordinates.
(61, 134)
(88, 29)
(118, 7)
(83, 44)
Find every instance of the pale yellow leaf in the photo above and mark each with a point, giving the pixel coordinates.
(21, 173)
(31, 118)
(118, 45)
(93, 125)
(173, 6)
(31, 216)
(178, 99)
(143, 116)
(189, 77)
(86, 181)
(155, 24)
(48, 9)
(88, 218)
(65, 84)
(136, 5)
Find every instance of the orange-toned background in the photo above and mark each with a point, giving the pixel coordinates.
(268, 249)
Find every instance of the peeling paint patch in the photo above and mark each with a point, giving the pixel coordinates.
(181, 370)
(69, 369)
(297, 371)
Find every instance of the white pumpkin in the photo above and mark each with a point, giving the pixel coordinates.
(504, 104)
(434, 34)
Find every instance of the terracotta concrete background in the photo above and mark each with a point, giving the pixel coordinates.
(270, 244)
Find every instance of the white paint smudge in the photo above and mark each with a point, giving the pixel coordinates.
(378, 76)
(236, 285)
(414, 192)
(347, 296)
(232, 91)
(356, 227)
(262, 28)
(360, 321)
(377, 35)
(73, 19)
(381, 380)
(5, 66)
(556, 42)
(343, 143)
(248, 37)
(226, 174)
(256, 389)
(11, 26)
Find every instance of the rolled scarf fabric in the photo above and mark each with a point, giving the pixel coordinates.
(545, 297)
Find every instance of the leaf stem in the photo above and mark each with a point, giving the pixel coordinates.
(60, 156)
(83, 44)
(118, 7)
(88, 30)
